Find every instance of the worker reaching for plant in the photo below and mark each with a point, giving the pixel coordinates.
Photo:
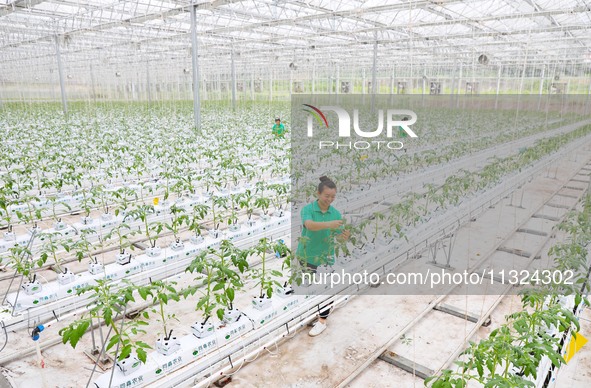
(321, 224)
(279, 129)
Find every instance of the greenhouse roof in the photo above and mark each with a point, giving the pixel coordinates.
(114, 32)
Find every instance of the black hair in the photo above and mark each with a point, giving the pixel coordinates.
(277, 119)
(326, 182)
(405, 118)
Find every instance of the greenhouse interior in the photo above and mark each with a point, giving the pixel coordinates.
(194, 193)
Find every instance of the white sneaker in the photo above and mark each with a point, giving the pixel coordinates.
(317, 329)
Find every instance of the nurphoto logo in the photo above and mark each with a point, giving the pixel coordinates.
(396, 120)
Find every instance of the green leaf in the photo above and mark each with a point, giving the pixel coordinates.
(79, 332)
(125, 351)
(142, 355)
(142, 344)
(143, 291)
(113, 341)
(480, 369)
(230, 294)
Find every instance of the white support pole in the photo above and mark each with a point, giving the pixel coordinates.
(314, 77)
(392, 83)
(61, 74)
(270, 85)
(588, 97)
(498, 85)
(338, 80)
(541, 86)
(233, 79)
(196, 76)
(252, 86)
(148, 82)
(522, 80)
(92, 83)
(205, 96)
(363, 80)
(424, 80)
(374, 68)
(460, 78)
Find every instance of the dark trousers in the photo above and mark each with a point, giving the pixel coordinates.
(324, 311)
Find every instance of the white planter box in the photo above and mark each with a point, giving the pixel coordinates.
(31, 288)
(177, 245)
(201, 331)
(232, 316)
(66, 278)
(261, 303)
(154, 251)
(123, 258)
(215, 233)
(197, 240)
(128, 365)
(169, 346)
(96, 268)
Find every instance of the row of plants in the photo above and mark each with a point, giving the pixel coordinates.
(413, 208)
(16, 208)
(359, 167)
(512, 354)
(92, 156)
(141, 221)
(221, 275)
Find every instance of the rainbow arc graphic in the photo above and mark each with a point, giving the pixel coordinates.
(317, 113)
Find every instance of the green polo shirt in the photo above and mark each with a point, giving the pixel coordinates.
(318, 246)
(279, 129)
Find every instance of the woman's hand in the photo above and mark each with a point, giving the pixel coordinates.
(334, 224)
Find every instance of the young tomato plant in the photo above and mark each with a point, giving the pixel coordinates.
(218, 204)
(246, 202)
(234, 202)
(280, 195)
(151, 229)
(205, 265)
(50, 248)
(124, 197)
(20, 259)
(222, 268)
(198, 213)
(267, 278)
(263, 203)
(109, 303)
(87, 203)
(161, 292)
(102, 196)
(231, 262)
(179, 218)
(123, 232)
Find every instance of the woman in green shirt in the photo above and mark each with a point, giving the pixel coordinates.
(322, 223)
(278, 128)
